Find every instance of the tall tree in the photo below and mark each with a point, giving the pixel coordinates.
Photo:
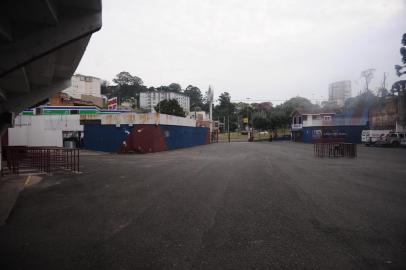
(368, 75)
(163, 88)
(128, 87)
(125, 78)
(196, 97)
(399, 68)
(170, 107)
(225, 110)
(225, 100)
(175, 87)
(261, 123)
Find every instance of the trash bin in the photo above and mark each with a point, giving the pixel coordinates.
(69, 144)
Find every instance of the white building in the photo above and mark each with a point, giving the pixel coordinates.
(199, 115)
(84, 85)
(44, 130)
(148, 100)
(338, 92)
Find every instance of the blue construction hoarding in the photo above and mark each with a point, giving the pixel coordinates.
(349, 134)
(143, 138)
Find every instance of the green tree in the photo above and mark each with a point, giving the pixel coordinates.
(401, 85)
(196, 97)
(225, 100)
(226, 110)
(163, 88)
(125, 78)
(399, 68)
(175, 87)
(170, 107)
(261, 123)
(364, 99)
(128, 87)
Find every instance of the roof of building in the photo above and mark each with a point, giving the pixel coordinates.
(165, 92)
(304, 111)
(87, 76)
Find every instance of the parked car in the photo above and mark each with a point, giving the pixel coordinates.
(371, 137)
(403, 141)
(393, 138)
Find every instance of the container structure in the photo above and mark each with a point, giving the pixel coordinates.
(141, 133)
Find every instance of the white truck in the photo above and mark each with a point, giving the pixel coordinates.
(371, 137)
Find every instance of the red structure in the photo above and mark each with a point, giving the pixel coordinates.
(146, 139)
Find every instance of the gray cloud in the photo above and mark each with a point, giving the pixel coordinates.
(260, 49)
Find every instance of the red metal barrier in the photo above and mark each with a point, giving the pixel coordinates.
(43, 159)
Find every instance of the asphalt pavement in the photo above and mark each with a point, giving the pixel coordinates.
(263, 205)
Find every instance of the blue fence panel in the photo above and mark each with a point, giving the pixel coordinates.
(180, 137)
(307, 134)
(108, 138)
(352, 134)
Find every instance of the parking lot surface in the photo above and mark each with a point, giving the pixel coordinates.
(268, 205)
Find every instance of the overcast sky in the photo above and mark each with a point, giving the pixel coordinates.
(261, 49)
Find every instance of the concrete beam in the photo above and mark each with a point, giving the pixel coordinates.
(16, 81)
(32, 47)
(5, 31)
(53, 12)
(17, 103)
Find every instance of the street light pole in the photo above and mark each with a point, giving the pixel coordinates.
(228, 127)
(248, 118)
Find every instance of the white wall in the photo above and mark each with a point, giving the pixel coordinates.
(84, 85)
(42, 130)
(140, 118)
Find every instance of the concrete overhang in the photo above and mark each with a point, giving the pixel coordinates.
(41, 45)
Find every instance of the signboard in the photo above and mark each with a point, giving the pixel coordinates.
(245, 120)
(329, 133)
(112, 103)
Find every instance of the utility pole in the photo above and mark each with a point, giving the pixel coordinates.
(210, 96)
(159, 102)
(228, 127)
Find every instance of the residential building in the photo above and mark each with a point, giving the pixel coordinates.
(84, 85)
(148, 100)
(339, 91)
(63, 99)
(202, 118)
(324, 125)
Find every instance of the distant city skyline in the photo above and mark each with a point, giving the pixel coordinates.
(265, 50)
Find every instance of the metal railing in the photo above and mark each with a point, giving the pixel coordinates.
(42, 159)
(348, 150)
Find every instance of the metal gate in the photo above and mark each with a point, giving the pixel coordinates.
(348, 150)
(42, 159)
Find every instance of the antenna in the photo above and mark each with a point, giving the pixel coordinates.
(384, 80)
(210, 94)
